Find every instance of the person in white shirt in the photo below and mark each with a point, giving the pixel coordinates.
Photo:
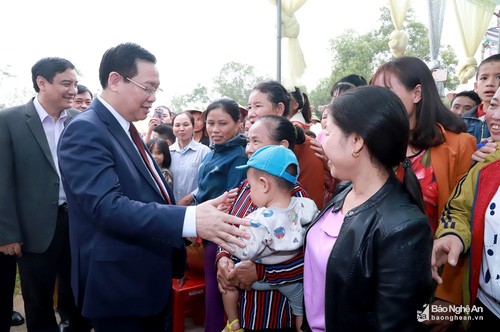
(187, 155)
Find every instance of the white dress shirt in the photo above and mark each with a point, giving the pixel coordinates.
(184, 166)
(53, 130)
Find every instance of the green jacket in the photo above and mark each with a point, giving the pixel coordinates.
(463, 216)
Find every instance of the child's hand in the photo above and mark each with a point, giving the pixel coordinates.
(228, 203)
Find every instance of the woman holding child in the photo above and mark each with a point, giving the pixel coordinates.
(277, 227)
(262, 309)
(268, 107)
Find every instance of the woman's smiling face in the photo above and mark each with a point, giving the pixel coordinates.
(221, 127)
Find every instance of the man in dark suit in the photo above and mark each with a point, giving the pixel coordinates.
(126, 234)
(33, 213)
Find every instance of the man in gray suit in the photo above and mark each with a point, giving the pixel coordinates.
(33, 212)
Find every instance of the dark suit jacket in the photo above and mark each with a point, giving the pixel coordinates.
(29, 184)
(123, 235)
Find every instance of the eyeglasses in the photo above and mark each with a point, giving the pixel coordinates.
(147, 89)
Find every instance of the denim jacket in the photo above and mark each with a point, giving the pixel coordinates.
(218, 173)
(475, 126)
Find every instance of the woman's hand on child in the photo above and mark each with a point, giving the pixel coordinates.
(224, 267)
(244, 275)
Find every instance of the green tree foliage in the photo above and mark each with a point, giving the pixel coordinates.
(198, 99)
(363, 54)
(321, 94)
(6, 101)
(236, 81)
(449, 61)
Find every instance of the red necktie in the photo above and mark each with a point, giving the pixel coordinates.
(140, 146)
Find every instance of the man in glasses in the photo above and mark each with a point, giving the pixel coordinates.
(126, 232)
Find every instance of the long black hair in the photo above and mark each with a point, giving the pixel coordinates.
(380, 118)
(164, 149)
(430, 110)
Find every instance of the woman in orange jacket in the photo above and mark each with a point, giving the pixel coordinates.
(439, 149)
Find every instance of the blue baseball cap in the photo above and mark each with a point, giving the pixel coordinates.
(274, 159)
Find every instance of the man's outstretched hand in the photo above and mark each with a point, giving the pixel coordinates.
(219, 227)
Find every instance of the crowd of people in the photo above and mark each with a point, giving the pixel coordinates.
(357, 219)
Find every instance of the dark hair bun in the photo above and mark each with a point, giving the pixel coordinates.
(300, 135)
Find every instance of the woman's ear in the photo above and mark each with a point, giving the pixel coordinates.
(417, 93)
(285, 143)
(280, 110)
(358, 143)
(237, 130)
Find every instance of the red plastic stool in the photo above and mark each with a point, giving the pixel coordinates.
(188, 299)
